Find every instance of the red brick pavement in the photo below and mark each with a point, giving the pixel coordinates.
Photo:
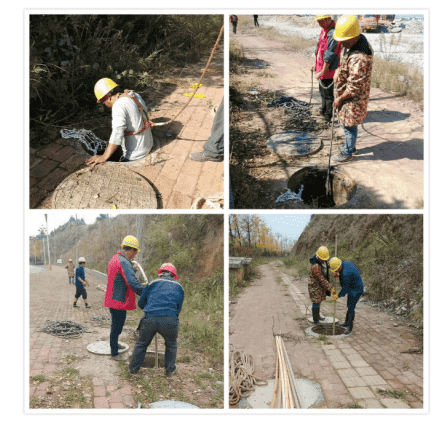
(177, 179)
(51, 298)
(360, 363)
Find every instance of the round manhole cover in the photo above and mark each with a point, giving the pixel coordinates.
(103, 348)
(294, 143)
(310, 392)
(172, 405)
(103, 187)
(326, 320)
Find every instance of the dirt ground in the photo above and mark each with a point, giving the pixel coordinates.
(370, 368)
(64, 374)
(388, 165)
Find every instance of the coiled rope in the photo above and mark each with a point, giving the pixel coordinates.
(241, 378)
(69, 329)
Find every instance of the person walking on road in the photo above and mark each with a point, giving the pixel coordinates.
(81, 283)
(318, 283)
(352, 79)
(255, 20)
(213, 147)
(234, 20)
(121, 289)
(351, 284)
(70, 271)
(327, 61)
(161, 301)
(131, 128)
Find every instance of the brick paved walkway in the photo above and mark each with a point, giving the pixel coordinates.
(177, 179)
(51, 298)
(350, 370)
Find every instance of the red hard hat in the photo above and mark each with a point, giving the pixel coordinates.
(169, 267)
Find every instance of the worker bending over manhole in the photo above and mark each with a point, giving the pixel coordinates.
(161, 301)
(318, 283)
(351, 284)
(131, 128)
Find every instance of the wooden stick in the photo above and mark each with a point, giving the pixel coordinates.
(297, 399)
(276, 383)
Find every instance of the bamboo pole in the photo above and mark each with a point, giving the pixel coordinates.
(276, 383)
(293, 381)
(335, 301)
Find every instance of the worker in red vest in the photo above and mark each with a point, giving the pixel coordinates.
(327, 61)
(121, 289)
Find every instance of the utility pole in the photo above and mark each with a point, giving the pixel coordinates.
(44, 248)
(48, 242)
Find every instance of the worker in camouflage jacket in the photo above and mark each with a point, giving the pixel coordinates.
(352, 79)
(318, 283)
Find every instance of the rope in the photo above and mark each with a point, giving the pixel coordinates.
(326, 87)
(69, 329)
(91, 144)
(241, 378)
(203, 74)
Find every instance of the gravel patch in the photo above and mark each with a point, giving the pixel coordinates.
(409, 48)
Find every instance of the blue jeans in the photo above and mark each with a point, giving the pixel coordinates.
(316, 306)
(352, 301)
(350, 134)
(167, 327)
(71, 279)
(117, 323)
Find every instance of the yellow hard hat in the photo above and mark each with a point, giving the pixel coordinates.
(320, 17)
(347, 27)
(323, 253)
(102, 87)
(131, 241)
(335, 264)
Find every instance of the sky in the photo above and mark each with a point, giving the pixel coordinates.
(288, 225)
(36, 219)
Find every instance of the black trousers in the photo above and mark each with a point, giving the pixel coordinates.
(327, 96)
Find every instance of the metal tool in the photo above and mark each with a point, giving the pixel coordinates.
(156, 336)
(330, 152)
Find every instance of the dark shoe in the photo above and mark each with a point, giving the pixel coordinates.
(119, 357)
(316, 316)
(74, 305)
(171, 373)
(342, 158)
(350, 327)
(201, 157)
(346, 321)
(87, 306)
(340, 148)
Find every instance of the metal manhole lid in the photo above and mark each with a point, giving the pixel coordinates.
(310, 392)
(104, 186)
(103, 348)
(294, 143)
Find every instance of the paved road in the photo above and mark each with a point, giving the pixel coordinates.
(350, 370)
(51, 298)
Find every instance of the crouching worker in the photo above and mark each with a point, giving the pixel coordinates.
(351, 284)
(131, 127)
(81, 282)
(121, 289)
(318, 284)
(161, 301)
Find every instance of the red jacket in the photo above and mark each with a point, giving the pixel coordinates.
(122, 284)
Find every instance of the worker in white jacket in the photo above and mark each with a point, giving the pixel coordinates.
(130, 125)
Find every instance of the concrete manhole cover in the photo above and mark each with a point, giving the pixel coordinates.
(172, 405)
(103, 348)
(293, 143)
(328, 320)
(309, 392)
(313, 180)
(103, 187)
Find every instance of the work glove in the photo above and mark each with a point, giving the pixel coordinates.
(333, 291)
(335, 297)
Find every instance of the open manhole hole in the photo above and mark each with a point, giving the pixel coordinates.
(313, 180)
(149, 360)
(294, 143)
(326, 330)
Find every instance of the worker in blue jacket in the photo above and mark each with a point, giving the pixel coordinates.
(161, 301)
(351, 284)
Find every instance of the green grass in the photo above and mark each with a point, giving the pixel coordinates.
(396, 394)
(38, 378)
(70, 358)
(355, 406)
(71, 372)
(184, 359)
